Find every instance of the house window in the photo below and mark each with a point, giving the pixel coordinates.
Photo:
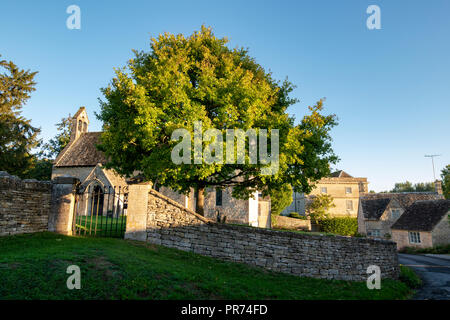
(218, 197)
(374, 233)
(323, 190)
(395, 213)
(349, 204)
(348, 190)
(414, 237)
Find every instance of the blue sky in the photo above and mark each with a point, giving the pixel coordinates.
(390, 88)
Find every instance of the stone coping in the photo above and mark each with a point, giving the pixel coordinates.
(8, 181)
(264, 231)
(180, 206)
(290, 234)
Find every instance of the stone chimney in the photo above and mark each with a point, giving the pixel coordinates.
(438, 187)
(80, 123)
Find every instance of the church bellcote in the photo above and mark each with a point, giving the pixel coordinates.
(80, 123)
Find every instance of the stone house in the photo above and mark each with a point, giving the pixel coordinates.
(345, 190)
(379, 211)
(81, 159)
(424, 224)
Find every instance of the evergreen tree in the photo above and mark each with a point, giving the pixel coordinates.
(280, 199)
(17, 136)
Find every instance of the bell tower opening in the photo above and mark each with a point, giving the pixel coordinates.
(80, 124)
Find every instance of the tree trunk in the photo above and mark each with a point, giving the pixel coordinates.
(200, 200)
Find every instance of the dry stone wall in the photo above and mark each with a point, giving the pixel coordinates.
(333, 257)
(24, 205)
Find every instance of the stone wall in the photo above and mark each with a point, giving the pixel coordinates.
(441, 232)
(24, 205)
(291, 223)
(334, 257)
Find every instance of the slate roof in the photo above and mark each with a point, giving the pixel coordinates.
(422, 215)
(374, 208)
(340, 174)
(373, 205)
(82, 152)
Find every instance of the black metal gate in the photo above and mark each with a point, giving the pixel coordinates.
(100, 211)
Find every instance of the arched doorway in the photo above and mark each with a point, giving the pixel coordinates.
(98, 197)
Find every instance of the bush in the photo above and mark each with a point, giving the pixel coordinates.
(409, 277)
(345, 226)
(296, 215)
(280, 199)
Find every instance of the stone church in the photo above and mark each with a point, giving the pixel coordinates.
(81, 159)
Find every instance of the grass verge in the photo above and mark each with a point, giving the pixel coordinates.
(33, 266)
(409, 277)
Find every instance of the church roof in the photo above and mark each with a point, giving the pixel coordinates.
(423, 215)
(82, 152)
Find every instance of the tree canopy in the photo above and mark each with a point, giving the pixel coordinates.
(55, 145)
(317, 207)
(17, 136)
(184, 80)
(407, 186)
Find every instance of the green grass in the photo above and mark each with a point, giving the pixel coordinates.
(101, 226)
(444, 249)
(33, 266)
(409, 277)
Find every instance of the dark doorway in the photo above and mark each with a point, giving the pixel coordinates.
(98, 198)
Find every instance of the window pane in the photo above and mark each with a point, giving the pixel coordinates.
(218, 197)
(349, 205)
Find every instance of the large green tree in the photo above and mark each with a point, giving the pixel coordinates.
(183, 80)
(445, 175)
(17, 136)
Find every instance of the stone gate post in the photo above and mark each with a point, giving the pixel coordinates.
(62, 205)
(136, 228)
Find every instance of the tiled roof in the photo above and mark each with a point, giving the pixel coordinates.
(340, 174)
(373, 203)
(422, 215)
(374, 208)
(405, 199)
(82, 152)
